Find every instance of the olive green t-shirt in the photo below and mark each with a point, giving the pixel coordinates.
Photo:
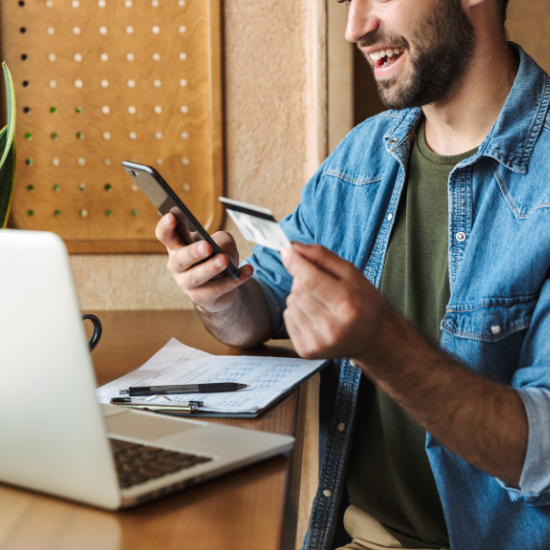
(389, 475)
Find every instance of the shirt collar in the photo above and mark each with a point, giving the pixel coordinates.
(513, 136)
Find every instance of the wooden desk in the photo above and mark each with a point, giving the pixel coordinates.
(251, 509)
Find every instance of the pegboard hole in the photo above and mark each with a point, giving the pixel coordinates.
(104, 83)
(24, 56)
(129, 29)
(50, 30)
(23, 30)
(135, 212)
(128, 3)
(53, 110)
(57, 213)
(30, 212)
(108, 213)
(54, 136)
(131, 83)
(76, 30)
(49, 3)
(52, 84)
(21, 3)
(158, 135)
(103, 29)
(106, 136)
(185, 160)
(182, 29)
(56, 188)
(78, 83)
(130, 56)
(55, 162)
(132, 135)
(25, 83)
(157, 83)
(184, 109)
(108, 187)
(159, 161)
(101, 3)
(27, 110)
(134, 187)
(81, 161)
(28, 136)
(104, 57)
(30, 188)
(107, 162)
(185, 135)
(77, 57)
(156, 56)
(182, 56)
(158, 109)
(75, 4)
(155, 3)
(183, 82)
(29, 162)
(79, 110)
(155, 29)
(83, 213)
(105, 110)
(181, 3)
(132, 110)
(51, 57)
(186, 187)
(79, 135)
(82, 187)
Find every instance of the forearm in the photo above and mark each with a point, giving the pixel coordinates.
(245, 323)
(482, 421)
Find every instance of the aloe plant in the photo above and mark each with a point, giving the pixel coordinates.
(7, 151)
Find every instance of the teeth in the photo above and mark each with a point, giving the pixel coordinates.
(390, 52)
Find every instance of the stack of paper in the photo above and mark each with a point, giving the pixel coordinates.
(268, 378)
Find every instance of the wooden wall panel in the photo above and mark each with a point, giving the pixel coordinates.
(102, 81)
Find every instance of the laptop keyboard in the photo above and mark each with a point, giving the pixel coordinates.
(137, 463)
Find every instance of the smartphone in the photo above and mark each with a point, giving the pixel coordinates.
(167, 202)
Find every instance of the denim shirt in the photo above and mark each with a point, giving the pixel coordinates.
(497, 321)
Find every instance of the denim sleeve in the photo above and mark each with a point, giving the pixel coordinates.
(269, 272)
(532, 383)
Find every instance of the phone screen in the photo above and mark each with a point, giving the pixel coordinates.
(166, 201)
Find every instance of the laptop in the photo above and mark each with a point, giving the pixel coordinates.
(56, 438)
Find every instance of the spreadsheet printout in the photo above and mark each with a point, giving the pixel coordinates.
(267, 378)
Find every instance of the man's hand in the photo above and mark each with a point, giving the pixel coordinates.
(202, 281)
(333, 310)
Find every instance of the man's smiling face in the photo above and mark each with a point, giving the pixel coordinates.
(418, 50)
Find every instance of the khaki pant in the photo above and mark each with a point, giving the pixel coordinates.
(366, 532)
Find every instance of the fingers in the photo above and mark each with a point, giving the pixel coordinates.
(309, 277)
(326, 260)
(213, 289)
(166, 233)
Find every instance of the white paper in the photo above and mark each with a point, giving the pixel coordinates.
(267, 377)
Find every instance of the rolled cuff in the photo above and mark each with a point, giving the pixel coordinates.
(534, 483)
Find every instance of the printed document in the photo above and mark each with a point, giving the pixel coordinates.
(267, 378)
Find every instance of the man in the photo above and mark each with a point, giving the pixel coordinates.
(421, 256)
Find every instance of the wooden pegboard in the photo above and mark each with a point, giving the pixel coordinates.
(102, 81)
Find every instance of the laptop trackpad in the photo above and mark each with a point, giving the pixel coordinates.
(147, 427)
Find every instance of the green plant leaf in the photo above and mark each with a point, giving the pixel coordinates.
(7, 151)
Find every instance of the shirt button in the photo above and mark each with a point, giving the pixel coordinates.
(341, 427)
(352, 363)
(327, 492)
(460, 237)
(390, 217)
(495, 329)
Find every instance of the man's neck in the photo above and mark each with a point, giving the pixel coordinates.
(461, 122)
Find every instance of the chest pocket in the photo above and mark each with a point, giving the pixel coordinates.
(490, 320)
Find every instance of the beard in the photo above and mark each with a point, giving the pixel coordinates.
(444, 43)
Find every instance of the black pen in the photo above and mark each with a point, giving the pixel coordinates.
(189, 388)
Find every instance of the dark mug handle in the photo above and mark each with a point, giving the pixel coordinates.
(96, 336)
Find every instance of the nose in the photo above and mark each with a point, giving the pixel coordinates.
(361, 20)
